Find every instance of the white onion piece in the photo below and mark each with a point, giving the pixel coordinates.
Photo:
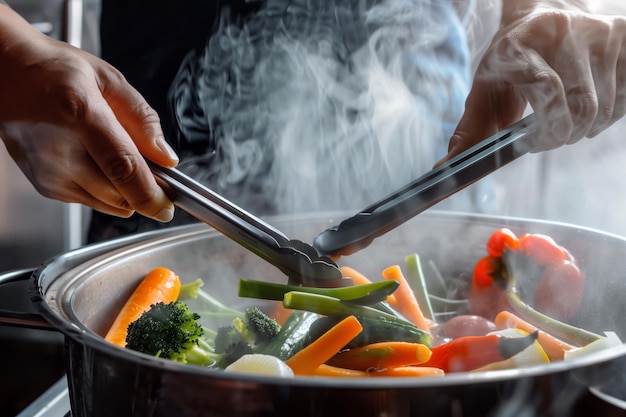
(611, 340)
(257, 363)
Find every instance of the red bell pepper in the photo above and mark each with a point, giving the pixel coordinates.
(487, 287)
(559, 286)
(472, 352)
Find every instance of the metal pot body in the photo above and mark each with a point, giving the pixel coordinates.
(80, 292)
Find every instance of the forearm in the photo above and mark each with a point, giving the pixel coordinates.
(14, 29)
(21, 46)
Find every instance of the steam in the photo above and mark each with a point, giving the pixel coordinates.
(322, 105)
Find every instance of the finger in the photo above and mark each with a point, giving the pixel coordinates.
(604, 55)
(82, 196)
(91, 181)
(619, 108)
(489, 108)
(80, 181)
(543, 89)
(140, 121)
(572, 64)
(99, 195)
(118, 158)
(516, 62)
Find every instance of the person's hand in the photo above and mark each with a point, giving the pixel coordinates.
(568, 64)
(76, 128)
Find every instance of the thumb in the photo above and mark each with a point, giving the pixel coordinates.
(137, 117)
(489, 108)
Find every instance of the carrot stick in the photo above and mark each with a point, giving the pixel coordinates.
(334, 371)
(305, 361)
(280, 313)
(408, 371)
(381, 355)
(406, 302)
(358, 278)
(555, 348)
(401, 371)
(160, 284)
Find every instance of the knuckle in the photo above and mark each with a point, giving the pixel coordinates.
(123, 170)
(123, 204)
(72, 103)
(125, 173)
(547, 79)
(619, 25)
(605, 115)
(147, 114)
(113, 74)
(583, 105)
(619, 110)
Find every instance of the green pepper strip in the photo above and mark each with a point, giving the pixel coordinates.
(330, 306)
(362, 294)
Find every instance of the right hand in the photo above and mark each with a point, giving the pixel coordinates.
(569, 64)
(76, 128)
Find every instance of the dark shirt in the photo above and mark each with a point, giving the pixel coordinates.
(147, 40)
(291, 106)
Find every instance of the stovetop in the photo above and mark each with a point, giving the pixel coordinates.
(55, 402)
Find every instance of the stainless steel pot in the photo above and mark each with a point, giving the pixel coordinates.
(79, 293)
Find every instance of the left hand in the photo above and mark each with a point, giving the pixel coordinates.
(568, 64)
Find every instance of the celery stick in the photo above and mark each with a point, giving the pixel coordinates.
(362, 294)
(330, 306)
(190, 290)
(415, 277)
(564, 331)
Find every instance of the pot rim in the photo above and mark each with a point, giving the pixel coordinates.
(93, 257)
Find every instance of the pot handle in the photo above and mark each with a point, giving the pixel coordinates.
(13, 287)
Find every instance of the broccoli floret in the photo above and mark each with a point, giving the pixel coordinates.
(230, 343)
(244, 336)
(170, 331)
(257, 327)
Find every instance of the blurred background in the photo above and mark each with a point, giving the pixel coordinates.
(581, 184)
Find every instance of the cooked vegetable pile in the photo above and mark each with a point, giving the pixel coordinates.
(410, 323)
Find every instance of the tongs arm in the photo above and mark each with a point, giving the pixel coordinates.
(298, 260)
(358, 231)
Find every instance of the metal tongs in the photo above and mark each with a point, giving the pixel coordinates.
(298, 260)
(359, 231)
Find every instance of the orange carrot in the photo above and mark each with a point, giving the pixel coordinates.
(305, 361)
(280, 313)
(334, 371)
(160, 284)
(554, 347)
(400, 371)
(409, 371)
(358, 278)
(406, 302)
(381, 355)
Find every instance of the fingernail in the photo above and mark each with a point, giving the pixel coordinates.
(165, 215)
(165, 147)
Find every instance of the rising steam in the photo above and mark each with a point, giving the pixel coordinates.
(323, 105)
